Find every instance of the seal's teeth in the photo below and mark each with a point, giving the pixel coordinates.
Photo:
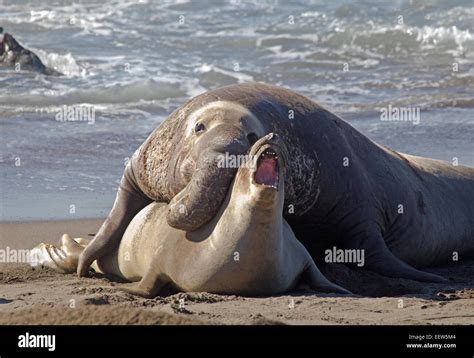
(269, 154)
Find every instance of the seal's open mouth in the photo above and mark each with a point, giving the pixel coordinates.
(267, 169)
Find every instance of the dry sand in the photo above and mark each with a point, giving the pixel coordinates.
(41, 296)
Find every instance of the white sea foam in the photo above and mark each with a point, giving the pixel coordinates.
(146, 90)
(169, 62)
(240, 76)
(64, 63)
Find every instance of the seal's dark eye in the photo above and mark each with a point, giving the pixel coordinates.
(252, 138)
(199, 127)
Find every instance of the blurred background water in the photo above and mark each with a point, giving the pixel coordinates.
(136, 61)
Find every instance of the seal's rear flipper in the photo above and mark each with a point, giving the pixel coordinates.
(63, 257)
(316, 280)
(149, 287)
(380, 260)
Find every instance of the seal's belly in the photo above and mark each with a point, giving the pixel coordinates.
(239, 269)
(139, 244)
(239, 282)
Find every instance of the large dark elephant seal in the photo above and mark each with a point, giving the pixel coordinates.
(246, 249)
(341, 188)
(12, 54)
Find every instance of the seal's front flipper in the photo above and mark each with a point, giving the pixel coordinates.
(148, 287)
(380, 260)
(316, 280)
(129, 201)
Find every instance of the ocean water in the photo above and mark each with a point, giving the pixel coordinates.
(136, 61)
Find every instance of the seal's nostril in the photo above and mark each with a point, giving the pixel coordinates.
(252, 138)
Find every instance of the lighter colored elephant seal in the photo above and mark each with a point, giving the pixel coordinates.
(246, 249)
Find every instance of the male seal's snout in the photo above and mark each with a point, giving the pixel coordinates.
(207, 173)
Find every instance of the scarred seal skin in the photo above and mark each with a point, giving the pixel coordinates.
(341, 188)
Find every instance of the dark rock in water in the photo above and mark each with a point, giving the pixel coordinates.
(12, 54)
